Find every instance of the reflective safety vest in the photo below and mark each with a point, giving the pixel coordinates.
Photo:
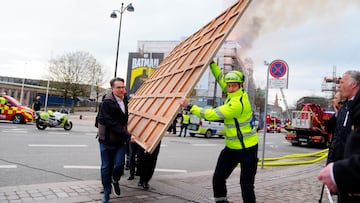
(186, 119)
(236, 107)
(2, 100)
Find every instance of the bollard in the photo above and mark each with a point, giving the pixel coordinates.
(80, 117)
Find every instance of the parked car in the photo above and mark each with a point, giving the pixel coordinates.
(12, 110)
(204, 127)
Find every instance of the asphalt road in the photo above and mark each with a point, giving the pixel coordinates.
(30, 156)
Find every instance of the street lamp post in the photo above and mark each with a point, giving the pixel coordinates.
(129, 8)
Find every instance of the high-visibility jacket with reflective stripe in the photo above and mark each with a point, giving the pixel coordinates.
(186, 119)
(237, 106)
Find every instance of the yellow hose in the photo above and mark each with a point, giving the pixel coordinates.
(320, 156)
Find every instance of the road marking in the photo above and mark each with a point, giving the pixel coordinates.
(12, 131)
(90, 134)
(8, 166)
(58, 133)
(98, 167)
(14, 128)
(204, 145)
(170, 170)
(81, 167)
(55, 145)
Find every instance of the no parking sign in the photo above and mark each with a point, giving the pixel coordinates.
(278, 69)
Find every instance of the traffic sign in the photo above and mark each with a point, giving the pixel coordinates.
(278, 68)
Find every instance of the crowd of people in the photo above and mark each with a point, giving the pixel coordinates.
(241, 139)
(341, 174)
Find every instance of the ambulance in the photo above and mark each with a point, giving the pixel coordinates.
(12, 110)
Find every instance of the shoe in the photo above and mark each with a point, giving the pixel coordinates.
(105, 199)
(140, 184)
(116, 188)
(102, 191)
(145, 186)
(131, 178)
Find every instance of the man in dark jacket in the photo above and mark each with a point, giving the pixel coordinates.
(343, 176)
(37, 104)
(113, 133)
(347, 88)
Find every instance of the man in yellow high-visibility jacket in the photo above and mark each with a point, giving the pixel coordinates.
(185, 121)
(241, 138)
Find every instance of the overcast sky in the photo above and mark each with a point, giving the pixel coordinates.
(311, 36)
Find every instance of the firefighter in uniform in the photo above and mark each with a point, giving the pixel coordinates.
(241, 138)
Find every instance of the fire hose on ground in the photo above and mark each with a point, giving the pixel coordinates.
(320, 155)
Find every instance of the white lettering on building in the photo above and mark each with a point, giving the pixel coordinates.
(148, 62)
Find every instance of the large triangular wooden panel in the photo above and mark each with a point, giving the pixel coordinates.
(156, 103)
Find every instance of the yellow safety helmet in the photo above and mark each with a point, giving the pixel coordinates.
(234, 76)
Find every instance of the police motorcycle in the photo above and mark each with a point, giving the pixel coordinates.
(52, 119)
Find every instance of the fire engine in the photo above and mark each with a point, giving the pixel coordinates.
(273, 124)
(12, 110)
(308, 126)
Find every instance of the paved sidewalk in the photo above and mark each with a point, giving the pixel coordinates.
(273, 184)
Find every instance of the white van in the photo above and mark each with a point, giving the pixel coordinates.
(204, 127)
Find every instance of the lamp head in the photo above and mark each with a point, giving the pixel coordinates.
(130, 8)
(113, 15)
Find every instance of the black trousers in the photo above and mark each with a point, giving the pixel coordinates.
(173, 125)
(134, 151)
(147, 164)
(183, 126)
(227, 161)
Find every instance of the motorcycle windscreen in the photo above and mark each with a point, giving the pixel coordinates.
(156, 103)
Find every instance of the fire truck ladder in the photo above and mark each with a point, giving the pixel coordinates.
(285, 102)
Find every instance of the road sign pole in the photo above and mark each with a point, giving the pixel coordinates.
(265, 113)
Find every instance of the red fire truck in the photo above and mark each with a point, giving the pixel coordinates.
(308, 126)
(273, 123)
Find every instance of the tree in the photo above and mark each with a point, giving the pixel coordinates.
(71, 72)
(98, 81)
(260, 99)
